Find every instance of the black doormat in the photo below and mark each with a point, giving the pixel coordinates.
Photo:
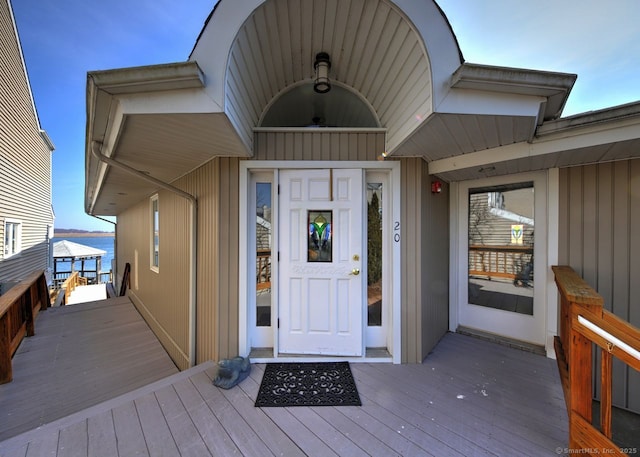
(308, 384)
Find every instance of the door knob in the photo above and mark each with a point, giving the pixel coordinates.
(355, 272)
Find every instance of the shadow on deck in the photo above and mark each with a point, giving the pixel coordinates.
(469, 397)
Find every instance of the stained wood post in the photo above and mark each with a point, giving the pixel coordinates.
(605, 394)
(6, 371)
(28, 302)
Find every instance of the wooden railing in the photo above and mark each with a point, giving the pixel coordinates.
(70, 284)
(263, 268)
(584, 322)
(512, 262)
(91, 276)
(18, 310)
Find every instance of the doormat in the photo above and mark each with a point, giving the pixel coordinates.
(308, 384)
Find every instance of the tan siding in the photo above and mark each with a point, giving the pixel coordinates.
(162, 297)
(435, 261)
(202, 184)
(215, 185)
(25, 161)
(599, 216)
(412, 246)
(318, 146)
(425, 267)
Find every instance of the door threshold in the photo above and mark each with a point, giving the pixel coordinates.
(503, 340)
(372, 355)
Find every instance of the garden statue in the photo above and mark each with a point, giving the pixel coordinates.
(232, 372)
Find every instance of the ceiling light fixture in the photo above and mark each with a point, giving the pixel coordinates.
(322, 65)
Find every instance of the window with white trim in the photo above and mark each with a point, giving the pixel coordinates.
(155, 233)
(12, 237)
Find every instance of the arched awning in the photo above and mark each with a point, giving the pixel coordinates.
(396, 63)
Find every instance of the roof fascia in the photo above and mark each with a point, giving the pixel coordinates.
(615, 114)
(153, 78)
(583, 136)
(552, 85)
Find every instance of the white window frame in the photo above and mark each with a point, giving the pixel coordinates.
(154, 212)
(247, 168)
(16, 238)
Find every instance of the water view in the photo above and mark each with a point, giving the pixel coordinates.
(105, 243)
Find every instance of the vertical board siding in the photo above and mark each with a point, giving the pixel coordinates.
(25, 162)
(357, 146)
(435, 259)
(164, 296)
(393, 74)
(425, 267)
(410, 220)
(161, 297)
(599, 216)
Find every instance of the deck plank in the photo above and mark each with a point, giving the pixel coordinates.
(247, 440)
(156, 432)
(46, 445)
(81, 355)
(73, 440)
(510, 404)
(102, 440)
(213, 434)
(129, 431)
(274, 438)
(183, 430)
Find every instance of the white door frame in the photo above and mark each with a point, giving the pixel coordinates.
(245, 261)
(548, 182)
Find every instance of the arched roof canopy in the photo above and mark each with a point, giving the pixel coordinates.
(301, 106)
(394, 64)
(378, 50)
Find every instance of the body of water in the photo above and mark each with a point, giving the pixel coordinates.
(105, 243)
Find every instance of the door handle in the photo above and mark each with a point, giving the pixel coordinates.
(355, 272)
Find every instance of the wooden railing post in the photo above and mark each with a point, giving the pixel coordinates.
(6, 371)
(18, 309)
(585, 324)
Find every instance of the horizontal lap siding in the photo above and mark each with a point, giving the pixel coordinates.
(599, 220)
(25, 162)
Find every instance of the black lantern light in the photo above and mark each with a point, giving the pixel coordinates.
(322, 65)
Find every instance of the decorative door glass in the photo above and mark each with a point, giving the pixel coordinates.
(320, 234)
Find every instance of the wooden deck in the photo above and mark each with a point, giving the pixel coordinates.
(470, 397)
(81, 355)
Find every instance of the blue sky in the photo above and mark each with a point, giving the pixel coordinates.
(63, 39)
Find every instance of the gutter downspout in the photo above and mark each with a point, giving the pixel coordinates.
(95, 150)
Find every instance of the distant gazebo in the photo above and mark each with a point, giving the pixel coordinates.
(67, 251)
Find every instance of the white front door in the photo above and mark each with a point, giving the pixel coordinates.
(322, 236)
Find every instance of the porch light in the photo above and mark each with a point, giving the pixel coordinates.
(322, 65)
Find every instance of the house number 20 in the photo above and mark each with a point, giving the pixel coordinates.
(396, 232)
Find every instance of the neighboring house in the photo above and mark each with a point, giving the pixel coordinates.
(26, 212)
(183, 154)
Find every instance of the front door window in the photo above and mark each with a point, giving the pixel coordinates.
(374, 254)
(501, 242)
(263, 254)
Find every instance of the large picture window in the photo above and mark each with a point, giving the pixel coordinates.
(12, 237)
(155, 233)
